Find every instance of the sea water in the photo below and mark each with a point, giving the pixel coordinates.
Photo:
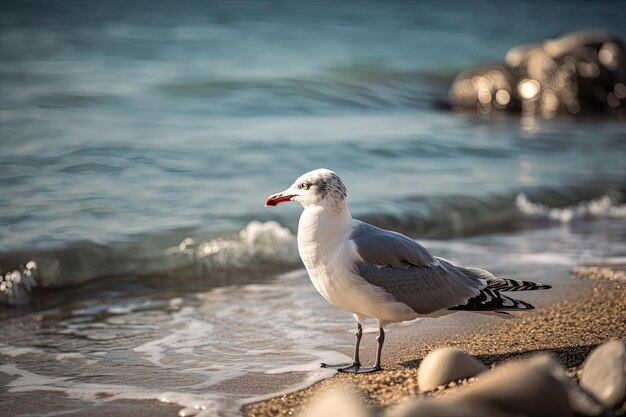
(138, 142)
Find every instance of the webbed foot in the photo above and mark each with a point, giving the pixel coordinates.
(354, 368)
(360, 370)
(340, 366)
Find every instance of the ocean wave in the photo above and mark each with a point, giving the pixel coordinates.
(263, 249)
(465, 215)
(267, 242)
(263, 246)
(370, 88)
(601, 207)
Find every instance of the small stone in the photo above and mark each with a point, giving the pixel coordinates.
(604, 373)
(444, 366)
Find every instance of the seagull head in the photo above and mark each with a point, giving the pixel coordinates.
(321, 187)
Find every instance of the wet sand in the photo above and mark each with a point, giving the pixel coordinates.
(592, 312)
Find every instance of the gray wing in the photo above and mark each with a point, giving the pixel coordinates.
(386, 248)
(424, 289)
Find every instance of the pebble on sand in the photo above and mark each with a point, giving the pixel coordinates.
(604, 373)
(445, 365)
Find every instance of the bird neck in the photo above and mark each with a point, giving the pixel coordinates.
(323, 225)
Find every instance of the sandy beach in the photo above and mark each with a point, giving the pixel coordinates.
(593, 313)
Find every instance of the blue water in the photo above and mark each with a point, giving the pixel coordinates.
(138, 140)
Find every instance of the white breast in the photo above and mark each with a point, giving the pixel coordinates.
(328, 255)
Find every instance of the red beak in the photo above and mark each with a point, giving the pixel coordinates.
(276, 199)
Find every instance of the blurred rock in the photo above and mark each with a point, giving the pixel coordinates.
(446, 365)
(580, 400)
(583, 403)
(526, 388)
(580, 72)
(341, 402)
(604, 373)
(429, 407)
(488, 88)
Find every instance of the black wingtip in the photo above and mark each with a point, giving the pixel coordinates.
(490, 300)
(514, 285)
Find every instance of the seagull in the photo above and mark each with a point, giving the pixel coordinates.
(380, 274)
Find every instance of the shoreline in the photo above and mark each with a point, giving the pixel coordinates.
(591, 314)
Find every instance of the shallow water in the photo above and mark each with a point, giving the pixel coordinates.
(137, 148)
(221, 347)
(193, 348)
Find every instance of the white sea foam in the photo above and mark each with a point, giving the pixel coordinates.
(546, 258)
(615, 260)
(27, 381)
(313, 366)
(16, 285)
(258, 241)
(187, 333)
(120, 310)
(601, 207)
(74, 357)
(14, 351)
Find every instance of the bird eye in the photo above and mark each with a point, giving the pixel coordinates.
(305, 186)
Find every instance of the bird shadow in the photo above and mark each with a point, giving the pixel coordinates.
(569, 356)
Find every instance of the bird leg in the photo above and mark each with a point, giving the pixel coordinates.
(379, 350)
(356, 364)
(356, 368)
(357, 345)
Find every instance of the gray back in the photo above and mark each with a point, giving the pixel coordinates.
(383, 247)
